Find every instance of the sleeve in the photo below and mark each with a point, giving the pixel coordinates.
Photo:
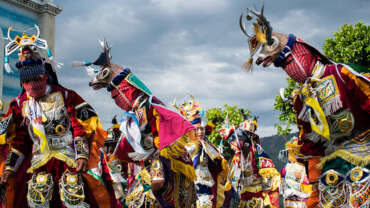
(88, 131)
(17, 139)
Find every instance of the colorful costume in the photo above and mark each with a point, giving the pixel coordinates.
(295, 186)
(207, 160)
(151, 134)
(333, 115)
(253, 177)
(49, 129)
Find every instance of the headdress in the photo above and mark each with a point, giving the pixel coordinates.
(102, 61)
(30, 42)
(249, 124)
(191, 110)
(227, 129)
(262, 33)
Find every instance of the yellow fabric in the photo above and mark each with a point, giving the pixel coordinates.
(44, 146)
(176, 150)
(306, 188)
(322, 128)
(220, 192)
(53, 154)
(116, 126)
(360, 83)
(273, 174)
(252, 189)
(266, 200)
(3, 139)
(93, 127)
(347, 156)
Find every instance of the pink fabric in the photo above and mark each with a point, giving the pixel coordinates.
(305, 57)
(123, 149)
(171, 126)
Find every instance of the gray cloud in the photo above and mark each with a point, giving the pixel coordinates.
(195, 46)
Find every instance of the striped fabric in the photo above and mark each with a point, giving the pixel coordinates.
(305, 58)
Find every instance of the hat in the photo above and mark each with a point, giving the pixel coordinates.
(30, 68)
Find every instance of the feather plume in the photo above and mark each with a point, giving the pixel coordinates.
(248, 65)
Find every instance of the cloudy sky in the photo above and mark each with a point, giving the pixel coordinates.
(195, 46)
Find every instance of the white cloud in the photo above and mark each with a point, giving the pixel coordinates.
(180, 7)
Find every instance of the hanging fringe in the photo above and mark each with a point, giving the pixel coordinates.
(7, 67)
(248, 65)
(332, 105)
(347, 156)
(304, 114)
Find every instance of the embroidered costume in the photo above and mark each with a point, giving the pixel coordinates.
(295, 186)
(207, 160)
(50, 128)
(151, 134)
(253, 178)
(333, 115)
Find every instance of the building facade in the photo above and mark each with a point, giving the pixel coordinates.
(22, 15)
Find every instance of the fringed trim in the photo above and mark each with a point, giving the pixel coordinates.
(332, 105)
(251, 189)
(304, 114)
(175, 151)
(268, 172)
(53, 154)
(314, 137)
(347, 156)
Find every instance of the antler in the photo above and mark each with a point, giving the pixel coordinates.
(242, 25)
(38, 31)
(262, 21)
(174, 104)
(10, 29)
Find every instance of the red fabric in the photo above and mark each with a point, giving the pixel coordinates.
(129, 91)
(123, 149)
(305, 57)
(36, 88)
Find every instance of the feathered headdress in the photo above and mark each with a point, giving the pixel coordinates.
(191, 110)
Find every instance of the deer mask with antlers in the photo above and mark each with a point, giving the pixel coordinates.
(292, 54)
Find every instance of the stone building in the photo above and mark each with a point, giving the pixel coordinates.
(22, 15)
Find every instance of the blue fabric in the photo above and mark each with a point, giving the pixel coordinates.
(198, 120)
(288, 48)
(118, 79)
(202, 189)
(197, 157)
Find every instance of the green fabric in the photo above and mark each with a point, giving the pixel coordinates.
(136, 82)
(147, 187)
(339, 165)
(359, 68)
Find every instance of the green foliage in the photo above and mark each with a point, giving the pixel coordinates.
(217, 116)
(287, 115)
(351, 44)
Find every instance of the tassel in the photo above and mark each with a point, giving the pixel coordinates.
(7, 68)
(248, 66)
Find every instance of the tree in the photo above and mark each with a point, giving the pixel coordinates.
(217, 116)
(351, 45)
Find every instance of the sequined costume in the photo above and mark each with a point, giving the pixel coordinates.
(151, 134)
(333, 114)
(253, 178)
(207, 160)
(295, 187)
(50, 129)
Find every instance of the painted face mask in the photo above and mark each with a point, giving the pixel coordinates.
(33, 77)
